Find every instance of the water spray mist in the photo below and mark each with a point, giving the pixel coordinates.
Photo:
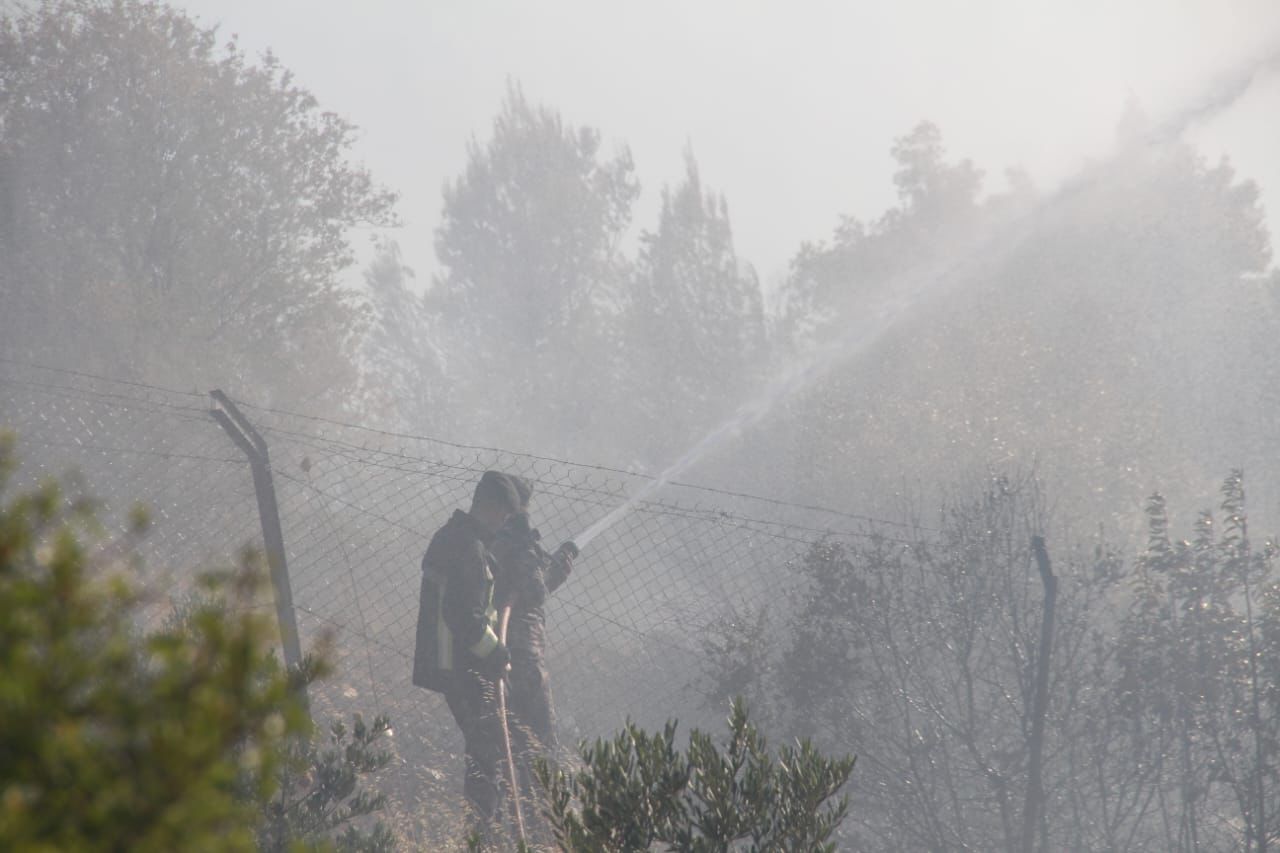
(958, 264)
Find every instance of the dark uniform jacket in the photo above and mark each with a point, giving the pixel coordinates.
(526, 575)
(457, 622)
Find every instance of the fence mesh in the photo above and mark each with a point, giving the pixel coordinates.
(626, 634)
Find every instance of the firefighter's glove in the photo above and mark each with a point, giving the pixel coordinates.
(558, 568)
(496, 664)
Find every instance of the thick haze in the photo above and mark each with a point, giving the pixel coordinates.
(790, 108)
(972, 473)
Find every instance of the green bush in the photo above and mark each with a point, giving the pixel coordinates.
(191, 737)
(320, 795)
(638, 790)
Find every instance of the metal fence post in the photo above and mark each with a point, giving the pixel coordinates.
(248, 440)
(1033, 806)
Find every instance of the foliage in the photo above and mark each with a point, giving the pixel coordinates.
(186, 737)
(919, 653)
(699, 314)
(402, 375)
(1197, 673)
(176, 210)
(321, 798)
(737, 659)
(536, 309)
(638, 790)
(830, 281)
(114, 739)
(1071, 325)
(531, 274)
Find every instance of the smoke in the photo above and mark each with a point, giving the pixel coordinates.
(1219, 96)
(958, 263)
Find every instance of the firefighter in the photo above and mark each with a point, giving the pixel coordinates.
(528, 574)
(458, 651)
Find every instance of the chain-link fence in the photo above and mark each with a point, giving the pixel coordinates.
(626, 634)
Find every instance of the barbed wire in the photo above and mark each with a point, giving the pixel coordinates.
(96, 377)
(373, 431)
(589, 466)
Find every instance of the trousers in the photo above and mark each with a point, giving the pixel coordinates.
(473, 701)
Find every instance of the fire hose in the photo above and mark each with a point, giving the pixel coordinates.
(566, 552)
(514, 783)
(517, 812)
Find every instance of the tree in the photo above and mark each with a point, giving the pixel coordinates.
(918, 652)
(112, 739)
(402, 368)
(169, 211)
(1066, 329)
(190, 736)
(320, 797)
(527, 299)
(830, 281)
(929, 187)
(697, 313)
(638, 790)
(1197, 674)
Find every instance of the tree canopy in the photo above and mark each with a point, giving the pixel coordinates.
(109, 739)
(527, 297)
(169, 210)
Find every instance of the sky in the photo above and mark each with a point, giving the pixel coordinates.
(789, 108)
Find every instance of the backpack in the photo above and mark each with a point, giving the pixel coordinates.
(433, 646)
